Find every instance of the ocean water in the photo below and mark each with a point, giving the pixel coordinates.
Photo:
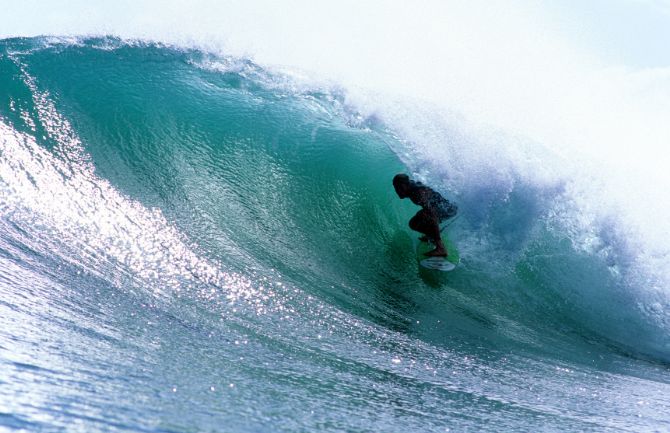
(192, 242)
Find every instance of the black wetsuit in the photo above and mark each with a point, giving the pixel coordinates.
(431, 201)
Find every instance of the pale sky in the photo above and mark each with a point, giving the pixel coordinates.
(631, 32)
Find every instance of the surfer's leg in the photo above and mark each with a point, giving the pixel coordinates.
(439, 251)
(419, 223)
(426, 222)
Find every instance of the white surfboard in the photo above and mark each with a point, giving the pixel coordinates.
(444, 264)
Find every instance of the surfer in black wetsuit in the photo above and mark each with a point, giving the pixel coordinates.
(435, 209)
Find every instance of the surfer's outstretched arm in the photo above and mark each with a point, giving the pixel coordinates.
(440, 250)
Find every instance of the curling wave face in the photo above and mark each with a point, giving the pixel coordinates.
(188, 230)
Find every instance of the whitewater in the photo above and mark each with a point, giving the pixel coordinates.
(199, 233)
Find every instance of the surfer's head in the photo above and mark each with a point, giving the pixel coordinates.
(401, 184)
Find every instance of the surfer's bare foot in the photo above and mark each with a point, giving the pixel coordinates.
(437, 252)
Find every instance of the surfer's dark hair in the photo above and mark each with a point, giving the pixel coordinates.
(400, 179)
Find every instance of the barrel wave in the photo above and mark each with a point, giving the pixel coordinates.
(191, 242)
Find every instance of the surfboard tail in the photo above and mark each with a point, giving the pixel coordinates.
(444, 264)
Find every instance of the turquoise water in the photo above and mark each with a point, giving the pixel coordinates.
(190, 242)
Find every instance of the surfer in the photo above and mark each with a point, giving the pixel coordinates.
(434, 210)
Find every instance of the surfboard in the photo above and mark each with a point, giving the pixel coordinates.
(444, 264)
